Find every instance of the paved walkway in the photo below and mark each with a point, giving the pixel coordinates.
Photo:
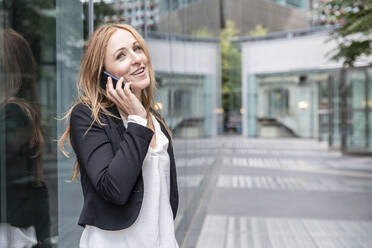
(272, 193)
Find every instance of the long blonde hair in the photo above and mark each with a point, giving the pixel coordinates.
(88, 82)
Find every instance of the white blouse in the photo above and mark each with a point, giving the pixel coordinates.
(154, 227)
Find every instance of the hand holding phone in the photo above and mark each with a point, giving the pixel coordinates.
(103, 80)
(127, 102)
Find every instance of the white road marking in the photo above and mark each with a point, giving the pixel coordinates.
(295, 165)
(221, 232)
(293, 183)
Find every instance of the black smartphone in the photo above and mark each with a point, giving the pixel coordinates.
(103, 80)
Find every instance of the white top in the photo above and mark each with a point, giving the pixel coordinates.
(154, 227)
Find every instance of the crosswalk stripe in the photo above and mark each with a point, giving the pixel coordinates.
(212, 233)
(235, 182)
(255, 233)
(242, 181)
(230, 241)
(289, 183)
(244, 232)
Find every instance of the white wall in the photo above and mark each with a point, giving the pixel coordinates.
(186, 57)
(290, 54)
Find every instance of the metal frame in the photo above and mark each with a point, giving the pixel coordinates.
(91, 17)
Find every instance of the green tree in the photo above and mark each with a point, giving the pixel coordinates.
(103, 13)
(354, 34)
(231, 71)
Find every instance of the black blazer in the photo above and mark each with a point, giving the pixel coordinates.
(110, 159)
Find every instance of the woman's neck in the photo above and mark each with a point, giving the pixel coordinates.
(138, 94)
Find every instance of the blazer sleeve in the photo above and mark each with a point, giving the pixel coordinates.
(113, 174)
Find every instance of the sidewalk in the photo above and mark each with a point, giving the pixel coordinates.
(272, 193)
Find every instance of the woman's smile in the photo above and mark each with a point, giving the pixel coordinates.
(139, 71)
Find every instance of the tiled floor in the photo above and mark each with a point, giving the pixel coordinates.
(273, 193)
(244, 232)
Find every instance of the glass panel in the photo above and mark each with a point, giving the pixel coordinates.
(28, 188)
(356, 83)
(356, 131)
(278, 102)
(324, 110)
(369, 102)
(234, 107)
(288, 105)
(181, 97)
(357, 103)
(186, 62)
(70, 41)
(336, 135)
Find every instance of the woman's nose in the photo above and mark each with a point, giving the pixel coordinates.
(135, 57)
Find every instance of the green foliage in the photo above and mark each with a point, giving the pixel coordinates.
(354, 34)
(202, 33)
(103, 13)
(36, 22)
(259, 30)
(231, 69)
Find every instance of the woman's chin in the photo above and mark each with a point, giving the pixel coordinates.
(141, 85)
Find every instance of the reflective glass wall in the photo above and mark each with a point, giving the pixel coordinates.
(288, 105)
(186, 60)
(41, 46)
(356, 109)
(28, 129)
(300, 92)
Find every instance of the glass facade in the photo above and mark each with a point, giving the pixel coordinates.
(201, 93)
(288, 104)
(356, 110)
(28, 154)
(333, 106)
(329, 116)
(41, 46)
(301, 4)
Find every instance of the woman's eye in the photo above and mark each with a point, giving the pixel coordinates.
(137, 48)
(120, 55)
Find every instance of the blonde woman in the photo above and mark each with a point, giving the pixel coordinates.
(123, 148)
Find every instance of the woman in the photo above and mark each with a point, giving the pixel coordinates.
(123, 148)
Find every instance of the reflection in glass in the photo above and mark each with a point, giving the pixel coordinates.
(24, 198)
(183, 97)
(356, 130)
(358, 105)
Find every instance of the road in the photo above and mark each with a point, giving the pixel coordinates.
(272, 193)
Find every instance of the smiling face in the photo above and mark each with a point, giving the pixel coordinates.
(126, 58)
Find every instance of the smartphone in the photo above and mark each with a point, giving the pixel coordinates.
(103, 81)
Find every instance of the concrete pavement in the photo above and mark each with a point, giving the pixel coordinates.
(272, 193)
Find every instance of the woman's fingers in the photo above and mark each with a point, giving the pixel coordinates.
(124, 99)
(111, 92)
(119, 84)
(127, 90)
(119, 88)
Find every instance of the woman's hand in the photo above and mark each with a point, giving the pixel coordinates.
(124, 99)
